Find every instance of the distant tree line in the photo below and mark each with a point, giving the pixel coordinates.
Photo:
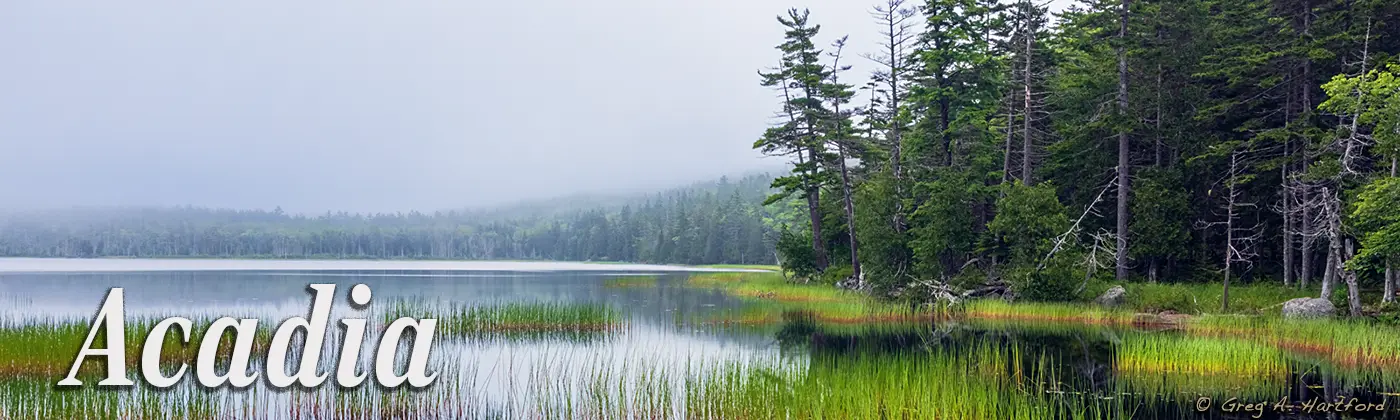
(1162, 140)
(722, 222)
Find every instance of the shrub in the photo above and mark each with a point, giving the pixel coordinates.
(1055, 283)
(797, 255)
(1158, 298)
(835, 274)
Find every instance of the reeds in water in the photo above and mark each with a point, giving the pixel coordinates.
(514, 320)
(631, 281)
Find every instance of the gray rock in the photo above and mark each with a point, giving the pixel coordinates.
(1308, 308)
(1113, 297)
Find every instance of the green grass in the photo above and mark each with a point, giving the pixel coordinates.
(631, 281)
(766, 267)
(38, 398)
(1255, 299)
(983, 382)
(1173, 353)
(48, 349)
(513, 320)
(996, 309)
(1175, 364)
(774, 296)
(1345, 343)
(1253, 315)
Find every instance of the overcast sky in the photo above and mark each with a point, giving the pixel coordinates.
(383, 105)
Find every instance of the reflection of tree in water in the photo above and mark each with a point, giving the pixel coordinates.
(1079, 359)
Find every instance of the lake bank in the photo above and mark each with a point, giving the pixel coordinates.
(1341, 341)
(601, 344)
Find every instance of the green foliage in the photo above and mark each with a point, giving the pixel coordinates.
(1160, 210)
(884, 252)
(797, 256)
(1177, 299)
(1027, 221)
(1377, 215)
(835, 274)
(944, 228)
(1388, 313)
(1056, 282)
(1374, 99)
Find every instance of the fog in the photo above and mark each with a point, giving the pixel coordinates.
(384, 106)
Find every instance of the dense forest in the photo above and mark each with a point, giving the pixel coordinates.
(1154, 140)
(709, 223)
(995, 143)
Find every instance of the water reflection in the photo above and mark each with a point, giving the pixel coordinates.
(652, 367)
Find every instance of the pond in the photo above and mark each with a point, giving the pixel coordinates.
(543, 340)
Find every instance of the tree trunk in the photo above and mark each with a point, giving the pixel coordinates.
(1328, 274)
(1123, 188)
(1229, 232)
(1152, 271)
(1341, 245)
(1305, 268)
(1010, 132)
(895, 134)
(815, 214)
(850, 216)
(1026, 110)
(1287, 198)
(1353, 289)
(1390, 280)
(1287, 245)
(1389, 284)
(1157, 131)
(944, 112)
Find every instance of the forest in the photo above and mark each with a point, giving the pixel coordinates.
(996, 143)
(721, 222)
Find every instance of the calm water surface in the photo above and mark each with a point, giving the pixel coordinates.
(665, 332)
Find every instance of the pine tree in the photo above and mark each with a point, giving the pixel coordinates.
(800, 77)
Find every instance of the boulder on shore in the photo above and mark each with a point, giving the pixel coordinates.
(1308, 308)
(1113, 297)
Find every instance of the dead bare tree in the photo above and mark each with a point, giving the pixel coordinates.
(1100, 256)
(841, 141)
(1348, 146)
(1123, 145)
(1240, 239)
(1030, 18)
(1071, 234)
(897, 32)
(1390, 275)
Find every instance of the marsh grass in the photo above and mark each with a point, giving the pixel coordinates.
(995, 309)
(1200, 298)
(991, 384)
(1345, 343)
(765, 267)
(775, 296)
(39, 398)
(1224, 363)
(514, 320)
(631, 281)
(48, 349)
(35, 398)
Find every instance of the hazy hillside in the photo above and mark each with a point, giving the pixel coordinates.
(712, 222)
